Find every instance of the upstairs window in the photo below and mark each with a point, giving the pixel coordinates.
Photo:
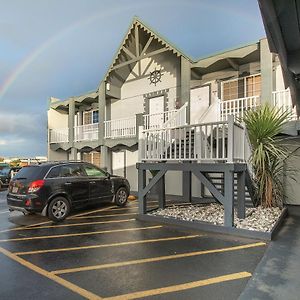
(91, 117)
(241, 87)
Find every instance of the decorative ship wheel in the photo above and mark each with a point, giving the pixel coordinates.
(155, 76)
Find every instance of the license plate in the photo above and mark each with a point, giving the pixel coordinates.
(15, 189)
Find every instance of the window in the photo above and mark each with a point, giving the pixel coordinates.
(66, 171)
(95, 116)
(242, 87)
(93, 171)
(91, 117)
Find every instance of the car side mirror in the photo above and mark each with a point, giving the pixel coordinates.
(108, 175)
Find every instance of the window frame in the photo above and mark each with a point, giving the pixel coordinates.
(244, 83)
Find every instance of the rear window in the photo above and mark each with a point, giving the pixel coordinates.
(31, 173)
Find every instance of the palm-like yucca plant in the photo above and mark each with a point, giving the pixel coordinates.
(268, 152)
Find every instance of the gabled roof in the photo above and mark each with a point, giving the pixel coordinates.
(152, 32)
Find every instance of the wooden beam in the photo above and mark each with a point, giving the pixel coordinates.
(147, 45)
(127, 51)
(137, 41)
(148, 66)
(140, 58)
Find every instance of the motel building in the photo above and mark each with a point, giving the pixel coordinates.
(155, 104)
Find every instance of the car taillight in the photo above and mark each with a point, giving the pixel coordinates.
(35, 186)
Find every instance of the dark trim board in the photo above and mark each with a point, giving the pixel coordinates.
(204, 226)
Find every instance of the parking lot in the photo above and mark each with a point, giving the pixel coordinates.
(105, 253)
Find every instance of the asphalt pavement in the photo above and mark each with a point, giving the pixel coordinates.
(103, 252)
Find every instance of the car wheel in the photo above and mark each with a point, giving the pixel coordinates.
(121, 196)
(59, 209)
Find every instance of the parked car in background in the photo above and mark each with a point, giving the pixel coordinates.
(54, 189)
(6, 174)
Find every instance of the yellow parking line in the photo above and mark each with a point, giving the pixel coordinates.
(104, 216)
(77, 224)
(78, 234)
(155, 259)
(76, 289)
(109, 245)
(181, 287)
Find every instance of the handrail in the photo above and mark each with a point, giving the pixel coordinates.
(181, 110)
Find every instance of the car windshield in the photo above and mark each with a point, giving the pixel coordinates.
(4, 171)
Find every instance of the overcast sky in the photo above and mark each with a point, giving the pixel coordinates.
(62, 48)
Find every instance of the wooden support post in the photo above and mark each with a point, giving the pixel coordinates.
(241, 211)
(141, 195)
(230, 139)
(229, 197)
(187, 186)
(161, 192)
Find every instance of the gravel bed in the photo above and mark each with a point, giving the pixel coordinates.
(258, 219)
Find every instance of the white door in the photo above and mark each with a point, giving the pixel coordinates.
(156, 109)
(118, 163)
(199, 103)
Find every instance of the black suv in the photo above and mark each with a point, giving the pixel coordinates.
(53, 189)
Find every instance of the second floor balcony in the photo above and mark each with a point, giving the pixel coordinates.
(88, 132)
(237, 107)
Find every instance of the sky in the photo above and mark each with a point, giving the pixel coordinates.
(62, 48)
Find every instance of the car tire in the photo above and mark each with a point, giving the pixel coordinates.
(121, 196)
(59, 209)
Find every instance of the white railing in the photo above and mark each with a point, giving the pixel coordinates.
(154, 121)
(87, 132)
(120, 128)
(178, 118)
(206, 142)
(60, 135)
(237, 107)
(282, 99)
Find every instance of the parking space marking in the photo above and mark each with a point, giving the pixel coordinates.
(76, 289)
(104, 216)
(155, 259)
(181, 287)
(77, 224)
(109, 245)
(79, 234)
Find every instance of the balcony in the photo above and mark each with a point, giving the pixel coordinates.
(87, 132)
(59, 135)
(120, 128)
(237, 107)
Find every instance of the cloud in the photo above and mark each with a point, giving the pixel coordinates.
(19, 124)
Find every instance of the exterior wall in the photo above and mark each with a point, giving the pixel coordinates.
(291, 178)
(57, 120)
(133, 89)
(279, 83)
(131, 171)
(57, 155)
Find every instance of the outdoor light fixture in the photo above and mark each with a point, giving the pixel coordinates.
(107, 86)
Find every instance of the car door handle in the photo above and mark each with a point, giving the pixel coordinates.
(68, 183)
(92, 182)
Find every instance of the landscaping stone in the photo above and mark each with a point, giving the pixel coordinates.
(258, 219)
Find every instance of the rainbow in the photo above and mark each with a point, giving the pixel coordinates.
(23, 65)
